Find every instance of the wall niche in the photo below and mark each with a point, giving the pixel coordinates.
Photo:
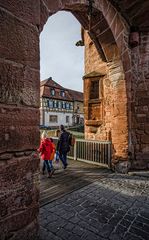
(93, 101)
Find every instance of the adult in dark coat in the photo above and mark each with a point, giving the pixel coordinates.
(63, 146)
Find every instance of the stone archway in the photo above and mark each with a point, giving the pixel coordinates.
(109, 32)
(20, 26)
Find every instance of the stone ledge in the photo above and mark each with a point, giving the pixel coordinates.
(93, 123)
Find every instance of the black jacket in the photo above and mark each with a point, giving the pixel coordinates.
(63, 142)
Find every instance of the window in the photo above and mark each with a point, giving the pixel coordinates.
(59, 105)
(71, 106)
(55, 104)
(67, 119)
(67, 105)
(94, 90)
(52, 92)
(53, 118)
(62, 93)
(64, 105)
(50, 104)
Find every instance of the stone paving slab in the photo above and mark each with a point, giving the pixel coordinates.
(115, 207)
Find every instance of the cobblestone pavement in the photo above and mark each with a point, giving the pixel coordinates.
(114, 207)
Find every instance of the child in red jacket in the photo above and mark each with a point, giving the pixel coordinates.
(46, 149)
(52, 155)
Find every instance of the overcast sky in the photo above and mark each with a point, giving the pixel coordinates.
(59, 57)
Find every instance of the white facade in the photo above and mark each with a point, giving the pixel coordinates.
(53, 119)
(59, 105)
(59, 112)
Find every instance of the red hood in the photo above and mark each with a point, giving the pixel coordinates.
(46, 141)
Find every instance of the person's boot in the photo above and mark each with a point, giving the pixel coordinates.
(49, 174)
(65, 166)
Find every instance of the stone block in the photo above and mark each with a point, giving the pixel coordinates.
(19, 129)
(145, 138)
(28, 10)
(142, 156)
(53, 6)
(143, 101)
(140, 164)
(122, 167)
(126, 59)
(117, 27)
(120, 109)
(110, 14)
(18, 84)
(21, 45)
(30, 231)
(44, 14)
(19, 183)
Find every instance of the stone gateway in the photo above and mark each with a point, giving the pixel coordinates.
(116, 61)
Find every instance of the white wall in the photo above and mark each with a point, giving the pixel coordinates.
(61, 119)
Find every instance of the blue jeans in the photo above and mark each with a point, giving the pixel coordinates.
(46, 165)
(51, 164)
(63, 158)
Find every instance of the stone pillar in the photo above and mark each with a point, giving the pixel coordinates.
(119, 118)
(19, 119)
(140, 103)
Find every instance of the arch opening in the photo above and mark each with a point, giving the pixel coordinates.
(109, 43)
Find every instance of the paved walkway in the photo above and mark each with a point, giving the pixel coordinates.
(111, 207)
(78, 175)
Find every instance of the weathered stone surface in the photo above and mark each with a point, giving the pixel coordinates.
(109, 208)
(19, 129)
(19, 169)
(19, 185)
(22, 45)
(18, 84)
(26, 10)
(6, 156)
(31, 231)
(44, 14)
(122, 166)
(114, 124)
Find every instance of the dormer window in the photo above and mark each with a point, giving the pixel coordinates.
(62, 93)
(52, 92)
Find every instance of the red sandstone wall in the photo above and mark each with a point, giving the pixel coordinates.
(20, 23)
(140, 103)
(19, 119)
(115, 121)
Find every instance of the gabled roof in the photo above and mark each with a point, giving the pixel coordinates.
(70, 95)
(50, 83)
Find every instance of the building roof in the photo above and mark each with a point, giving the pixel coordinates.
(49, 84)
(76, 95)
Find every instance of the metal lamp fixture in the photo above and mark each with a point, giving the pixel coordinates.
(134, 38)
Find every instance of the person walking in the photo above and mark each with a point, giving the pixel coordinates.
(63, 145)
(46, 150)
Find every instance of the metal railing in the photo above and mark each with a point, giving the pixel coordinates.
(95, 152)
